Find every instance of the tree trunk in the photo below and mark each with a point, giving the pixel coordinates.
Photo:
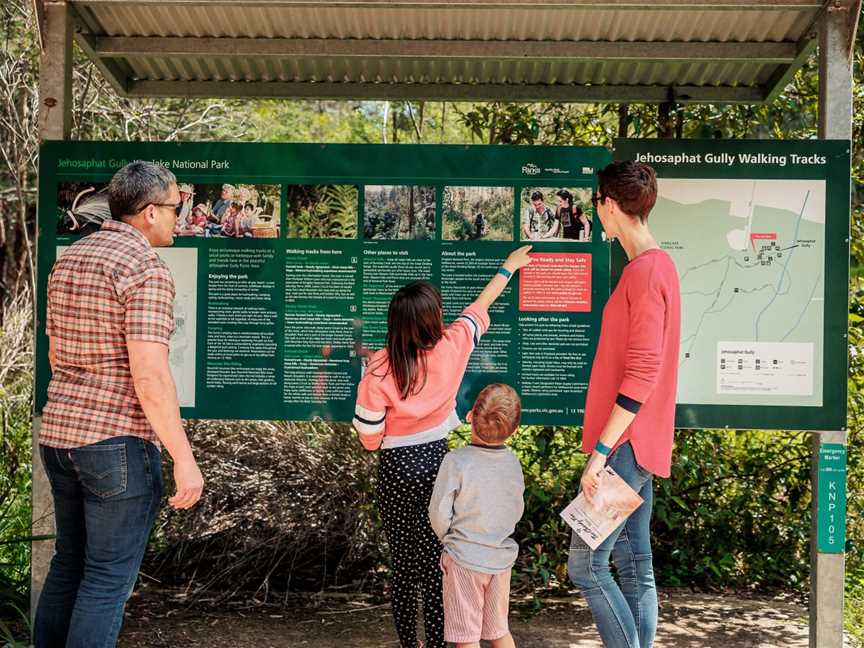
(665, 126)
(411, 218)
(623, 119)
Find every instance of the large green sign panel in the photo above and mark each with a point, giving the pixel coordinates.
(759, 233)
(287, 255)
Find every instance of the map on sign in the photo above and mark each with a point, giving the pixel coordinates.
(183, 263)
(750, 255)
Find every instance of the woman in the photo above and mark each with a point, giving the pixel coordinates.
(575, 226)
(630, 407)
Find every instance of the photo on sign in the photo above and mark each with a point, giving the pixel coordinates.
(322, 211)
(228, 210)
(208, 210)
(399, 213)
(82, 207)
(556, 214)
(477, 214)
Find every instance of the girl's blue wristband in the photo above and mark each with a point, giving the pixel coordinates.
(504, 271)
(602, 448)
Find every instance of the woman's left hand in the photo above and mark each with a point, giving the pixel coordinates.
(592, 475)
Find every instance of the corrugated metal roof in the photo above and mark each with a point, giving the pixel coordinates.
(416, 35)
(369, 70)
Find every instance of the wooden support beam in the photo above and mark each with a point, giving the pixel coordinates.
(446, 92)
(174, 47)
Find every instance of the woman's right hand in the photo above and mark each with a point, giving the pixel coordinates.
(518, 258)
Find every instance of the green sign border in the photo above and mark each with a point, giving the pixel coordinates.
(836, 172)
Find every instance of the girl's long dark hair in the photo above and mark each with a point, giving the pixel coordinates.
(414, 325)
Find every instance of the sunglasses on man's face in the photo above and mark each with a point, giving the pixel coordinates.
(175, 206)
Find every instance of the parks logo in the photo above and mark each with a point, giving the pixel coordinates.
(530, 169)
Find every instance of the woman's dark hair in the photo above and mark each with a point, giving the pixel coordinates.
(632, 184)
(414, 326)
(566, 195)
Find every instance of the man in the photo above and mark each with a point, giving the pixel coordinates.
(111, 402)
(224, 201)
(479, 225)
(540, 220)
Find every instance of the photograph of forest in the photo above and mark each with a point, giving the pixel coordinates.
(477, 213)
(399, 212)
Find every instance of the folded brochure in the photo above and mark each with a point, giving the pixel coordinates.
(614, 501)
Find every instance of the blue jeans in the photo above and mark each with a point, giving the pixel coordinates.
(626, 615)
(106, 496)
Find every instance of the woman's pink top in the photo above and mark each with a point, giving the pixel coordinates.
(383, 419)
(637, 361)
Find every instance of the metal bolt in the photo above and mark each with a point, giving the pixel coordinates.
(50, 102)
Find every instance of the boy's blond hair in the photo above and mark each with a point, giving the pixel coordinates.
(496, 413)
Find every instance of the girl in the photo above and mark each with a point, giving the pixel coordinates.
(406, 405)
(630, 407)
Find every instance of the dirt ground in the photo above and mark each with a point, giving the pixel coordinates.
(159, 618)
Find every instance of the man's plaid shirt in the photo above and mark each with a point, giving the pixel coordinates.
(105, 289)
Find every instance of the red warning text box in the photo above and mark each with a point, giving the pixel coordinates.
(556, 281)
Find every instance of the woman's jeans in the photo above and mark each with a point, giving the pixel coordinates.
(106, 496)
(626, 615)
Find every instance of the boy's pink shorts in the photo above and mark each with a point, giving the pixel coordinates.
(475, 604)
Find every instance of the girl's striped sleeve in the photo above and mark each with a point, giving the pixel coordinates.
(370, 412)
(472, 323)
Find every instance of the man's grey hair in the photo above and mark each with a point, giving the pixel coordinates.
(137, 185)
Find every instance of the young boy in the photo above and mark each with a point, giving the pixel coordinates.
(475, 505)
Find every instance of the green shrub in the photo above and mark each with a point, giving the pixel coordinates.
(16, 392)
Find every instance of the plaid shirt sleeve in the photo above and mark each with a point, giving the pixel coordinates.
(148, 296)
(49, 323)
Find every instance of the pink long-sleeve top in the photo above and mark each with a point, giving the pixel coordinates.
(384, 419)
(636, 364)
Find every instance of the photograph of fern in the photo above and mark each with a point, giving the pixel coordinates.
(399, 212)
(322, 211)
(477, 214)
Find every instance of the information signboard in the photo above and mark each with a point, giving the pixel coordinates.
(759, 233)
(287, 255)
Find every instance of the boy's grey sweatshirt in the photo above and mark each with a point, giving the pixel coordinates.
(475, 505)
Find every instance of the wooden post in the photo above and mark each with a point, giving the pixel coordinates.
(55, 121)
(827, 568)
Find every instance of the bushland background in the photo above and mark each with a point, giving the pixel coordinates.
(288, 507)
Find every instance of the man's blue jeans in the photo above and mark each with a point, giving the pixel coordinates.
(626, 615)
(106, 496)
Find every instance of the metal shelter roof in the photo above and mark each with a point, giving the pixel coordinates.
(717, 51)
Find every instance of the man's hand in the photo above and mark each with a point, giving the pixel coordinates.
(189, 482)
(592, 475)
